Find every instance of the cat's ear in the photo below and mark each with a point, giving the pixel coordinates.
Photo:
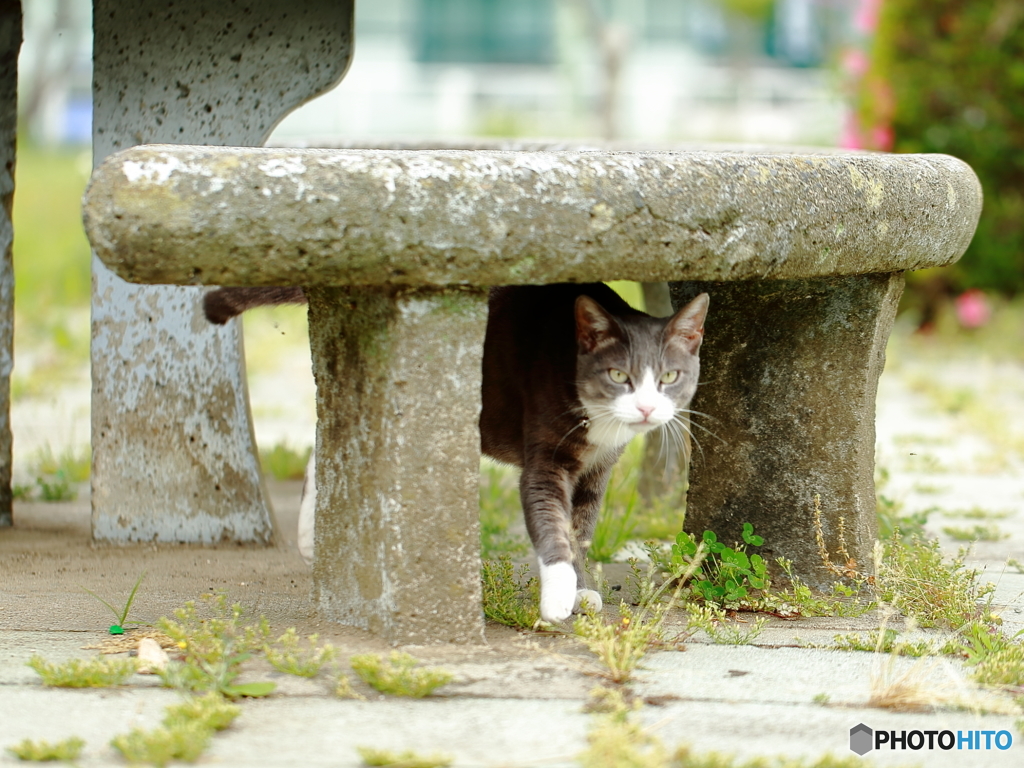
(594, 326)
(687, 325)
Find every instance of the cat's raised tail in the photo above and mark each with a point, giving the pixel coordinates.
(222, 304)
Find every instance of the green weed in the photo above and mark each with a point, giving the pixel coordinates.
(889, 511)
(53, 264)
(976, 513)
(209, 710)
(406, 759)
(889, 641)
(399, 675)
(282, 462)
(713, 621)
(96, 672)
(617, 740)
(159, 746)
(214, 649)
(621, 509)
(221, 634)
(990, 532)
(343, 688)
(66, 750)
(291, 658)
(510, 598)
(842, 599)
(121, 614)
(915, 578)
(499, 511)
(621, 645)
(726, 576)
(57, 476)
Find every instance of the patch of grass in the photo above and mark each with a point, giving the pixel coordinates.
(913, 689)
(499, 511)
(52, 267)
(890, 641)
(66, 750)
(57, 476)
(406, 759)
(621, 645)
(889, 511)
(617, 740)
(290, 657)
(999, 661)
(399, 675)
(343, 688)
(214, 649)
(929, 489)
(622, 508)
(989, 532)
(209, 710)
(96, 672)
(159, 746)
(842, 599)
(719, 629)
(222, 633)
(510, 598)
(976, 513)
(282, 462)
(915, 578)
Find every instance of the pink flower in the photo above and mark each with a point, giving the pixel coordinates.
(972, 309)
(856, 62)
(866, 18)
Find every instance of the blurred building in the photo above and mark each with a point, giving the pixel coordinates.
(656, 70)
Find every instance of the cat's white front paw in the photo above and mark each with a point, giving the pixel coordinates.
(557, 591)
(591, 598)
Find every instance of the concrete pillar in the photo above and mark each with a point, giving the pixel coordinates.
(10, 45)
(398, 460)
(789, 372)
(174, 458)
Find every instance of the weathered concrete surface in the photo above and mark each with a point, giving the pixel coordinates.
(790, 373)
(173, 453)
(10, 45)
(398, 460)
(435, 218)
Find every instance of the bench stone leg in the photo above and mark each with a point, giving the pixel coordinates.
(174, 456)
(10, 44)
(789, 374)
(398, 461)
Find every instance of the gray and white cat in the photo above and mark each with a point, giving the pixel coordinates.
(571, 373)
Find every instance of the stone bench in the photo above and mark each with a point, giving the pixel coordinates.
(802, 254)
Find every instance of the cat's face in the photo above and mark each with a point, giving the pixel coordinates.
(634, 373)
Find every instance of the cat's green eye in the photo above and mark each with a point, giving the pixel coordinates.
(669, 377)
(619, 377)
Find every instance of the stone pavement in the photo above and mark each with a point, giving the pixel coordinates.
(519, 700)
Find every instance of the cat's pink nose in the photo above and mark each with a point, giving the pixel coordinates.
(646, 410)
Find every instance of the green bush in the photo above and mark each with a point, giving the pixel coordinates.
(947, 75)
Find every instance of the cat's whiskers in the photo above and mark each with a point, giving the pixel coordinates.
(679, 428)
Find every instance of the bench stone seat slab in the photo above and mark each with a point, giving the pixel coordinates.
(255, 216)
(802, 254)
